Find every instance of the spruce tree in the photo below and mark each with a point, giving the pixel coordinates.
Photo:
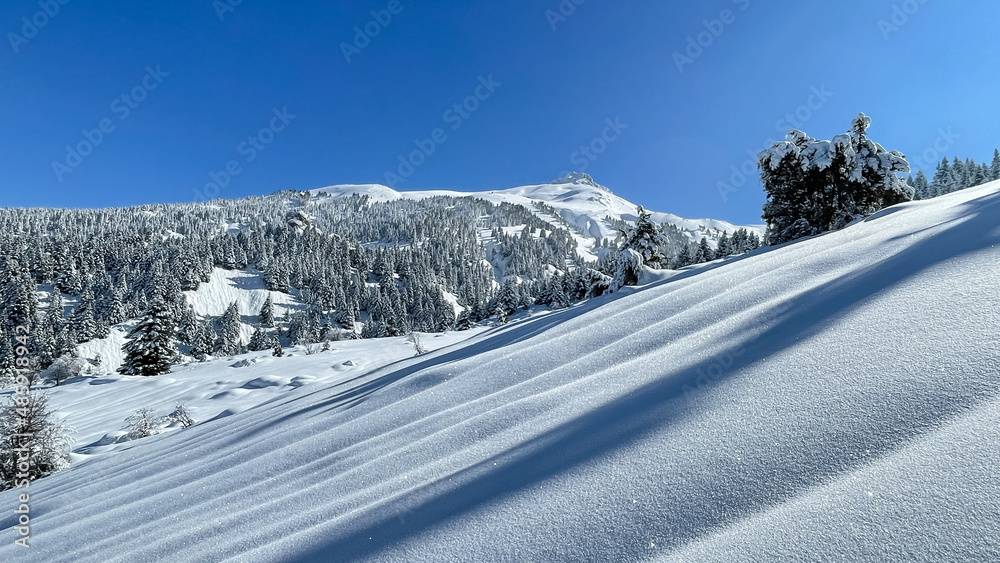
(645, 238)
(266, 316)
(83, 322)
(995, 168)
(18, 298)
(150, 350)
(204, 340)
(921, 187)
(464, 320)
(684, 258)
(229, 331)
(815, 186)
(722, 249)
(259, 341)
(705, 252)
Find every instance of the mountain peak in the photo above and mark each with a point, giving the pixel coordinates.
(579, 178)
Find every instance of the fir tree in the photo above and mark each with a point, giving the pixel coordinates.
(627, 270)
(266, 316)
(705, 252)
(645, 238)
(204, 340)
(149, 350)
(464, 320)
(229, 331)
(995, 168)
(83, 323)
(921, 188)
(684, 258)
(18, 299)
(815, 186)
(723, 249)
(259, 341)
(505, 303)
(942, 179)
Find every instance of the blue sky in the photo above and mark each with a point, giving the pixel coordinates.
(265, 89)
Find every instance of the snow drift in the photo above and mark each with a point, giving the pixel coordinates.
(834, 399)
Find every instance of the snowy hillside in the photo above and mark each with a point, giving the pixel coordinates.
(835, 399)
(581, 204)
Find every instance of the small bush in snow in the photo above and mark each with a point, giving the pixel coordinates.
(34, 443)
(418, 346)
(66, 367)
(179, 416)
(140, 425)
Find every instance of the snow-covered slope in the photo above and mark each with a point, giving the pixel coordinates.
(581, 204)
(836, 399)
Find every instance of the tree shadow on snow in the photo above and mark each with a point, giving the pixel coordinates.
(657, 405)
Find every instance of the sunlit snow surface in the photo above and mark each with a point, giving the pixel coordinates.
(835, 399)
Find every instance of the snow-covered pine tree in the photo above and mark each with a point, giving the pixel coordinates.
(18, 298)
(260, 340)
(815, 186)
(45, 342)
(722, 248)
(150, 349)
(505, 303)
(204, 340)
(628, 268)
(266, 316)
(705, 252)
(921, 187)
(942, 179)
(959, 178)
(82, 321)
(464, 320)
(684, 258)
(229, 331)
(646, 239)
(995, 168)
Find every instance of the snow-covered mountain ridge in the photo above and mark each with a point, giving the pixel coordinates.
(833, 399)
(578, 200)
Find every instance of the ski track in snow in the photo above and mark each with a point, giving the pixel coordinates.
(835, 399)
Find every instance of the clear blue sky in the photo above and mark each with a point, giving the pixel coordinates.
(557, 87)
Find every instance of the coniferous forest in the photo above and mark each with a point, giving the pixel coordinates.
(355, 267)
